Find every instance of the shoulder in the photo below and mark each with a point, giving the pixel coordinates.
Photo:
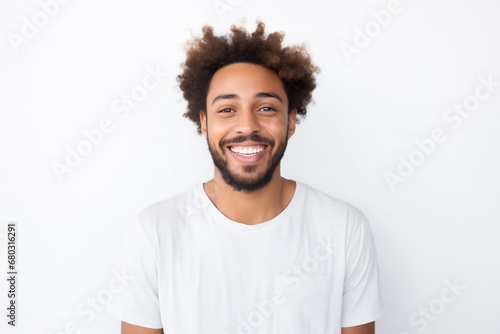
(323, 201)
(171, 209)
(339, 212)
(347, 223)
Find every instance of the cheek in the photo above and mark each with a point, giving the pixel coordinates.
(218, 124)
(278, 129)
(216, 132)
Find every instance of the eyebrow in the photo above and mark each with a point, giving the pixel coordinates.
(234, 96)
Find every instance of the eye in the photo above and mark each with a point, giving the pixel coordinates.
(226, 110)
(267, 109)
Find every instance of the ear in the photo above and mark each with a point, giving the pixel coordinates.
(292, 116)
(203, 121)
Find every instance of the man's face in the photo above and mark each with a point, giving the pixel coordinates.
(247, 125)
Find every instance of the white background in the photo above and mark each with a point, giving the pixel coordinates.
(440, 224)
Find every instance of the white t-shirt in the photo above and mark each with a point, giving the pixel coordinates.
(311, 269)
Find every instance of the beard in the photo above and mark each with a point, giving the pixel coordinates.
(248, 183)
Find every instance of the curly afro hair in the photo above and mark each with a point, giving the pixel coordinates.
(209, 53)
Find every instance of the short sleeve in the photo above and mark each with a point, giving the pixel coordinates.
(362, 297)
(135, 299)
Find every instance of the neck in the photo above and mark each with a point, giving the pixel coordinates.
(250, 208)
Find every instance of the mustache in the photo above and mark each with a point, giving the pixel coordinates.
(240, 139)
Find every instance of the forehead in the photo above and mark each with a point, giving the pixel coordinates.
(245, 78)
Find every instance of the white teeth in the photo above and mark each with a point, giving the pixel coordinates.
(248, 151)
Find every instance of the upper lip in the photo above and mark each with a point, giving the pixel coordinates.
(248, 143)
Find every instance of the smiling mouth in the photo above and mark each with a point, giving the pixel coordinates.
(247, 151)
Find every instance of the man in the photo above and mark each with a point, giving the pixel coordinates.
(249, 251)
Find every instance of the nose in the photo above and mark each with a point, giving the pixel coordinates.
(247, 122)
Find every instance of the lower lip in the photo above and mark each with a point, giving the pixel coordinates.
(250, 159)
